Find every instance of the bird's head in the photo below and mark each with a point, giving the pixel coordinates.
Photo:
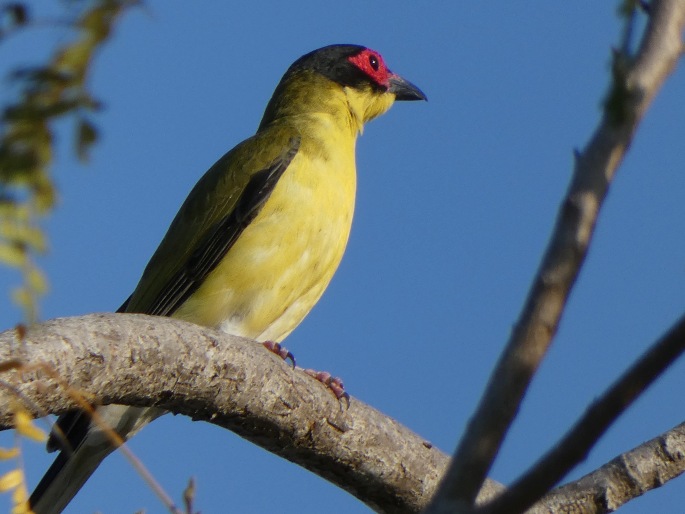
(360, 73)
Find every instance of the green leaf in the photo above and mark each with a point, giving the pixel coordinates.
(12, 255)
(86, 136)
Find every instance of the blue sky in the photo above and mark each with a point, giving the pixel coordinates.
(456, 200)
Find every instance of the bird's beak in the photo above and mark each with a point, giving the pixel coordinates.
(404, 90)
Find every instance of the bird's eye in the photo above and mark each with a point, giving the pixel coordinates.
(373, 61)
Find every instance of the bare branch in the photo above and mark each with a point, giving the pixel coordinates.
(637, 80)
(231, 382)
(624, 478)
(236, 384)
(578, 442)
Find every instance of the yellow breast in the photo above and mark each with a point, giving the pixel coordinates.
(283, 261)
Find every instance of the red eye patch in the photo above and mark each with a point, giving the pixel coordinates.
(372, 64)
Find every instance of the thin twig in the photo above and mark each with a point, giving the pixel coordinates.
(80, 399)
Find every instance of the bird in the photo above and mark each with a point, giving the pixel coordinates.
(257, 240)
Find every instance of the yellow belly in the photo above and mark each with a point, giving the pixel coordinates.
(283, 261)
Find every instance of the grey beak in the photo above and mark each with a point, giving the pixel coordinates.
(404, 90)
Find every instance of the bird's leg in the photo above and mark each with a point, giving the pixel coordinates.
(279, 350)
(335, 384)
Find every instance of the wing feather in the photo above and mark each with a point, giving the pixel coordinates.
(174, 273)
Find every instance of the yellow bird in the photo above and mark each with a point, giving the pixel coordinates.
(259, 237)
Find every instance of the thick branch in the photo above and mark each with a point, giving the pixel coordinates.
(635, 84)
(231, 382)
(236, 384)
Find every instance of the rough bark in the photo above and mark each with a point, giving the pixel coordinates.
(236, 384)
(622, 479)
(228, 381)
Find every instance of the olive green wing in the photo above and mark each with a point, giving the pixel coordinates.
(220, 206)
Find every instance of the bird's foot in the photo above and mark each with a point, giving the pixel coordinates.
(335, 384)
(279, 350)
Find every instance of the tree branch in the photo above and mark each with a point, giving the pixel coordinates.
(578, 442)
(234, 383)
(622, 479)
(636, 80)
(231, 382)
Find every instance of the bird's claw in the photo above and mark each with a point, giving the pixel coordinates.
(335, 384)
(280, 350)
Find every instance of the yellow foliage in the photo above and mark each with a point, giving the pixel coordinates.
(15, 480)
(23, 424)
(8, 453)
(46, 92)
(10, 480)
(20, 499)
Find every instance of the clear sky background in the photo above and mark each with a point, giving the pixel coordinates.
(456, 200)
